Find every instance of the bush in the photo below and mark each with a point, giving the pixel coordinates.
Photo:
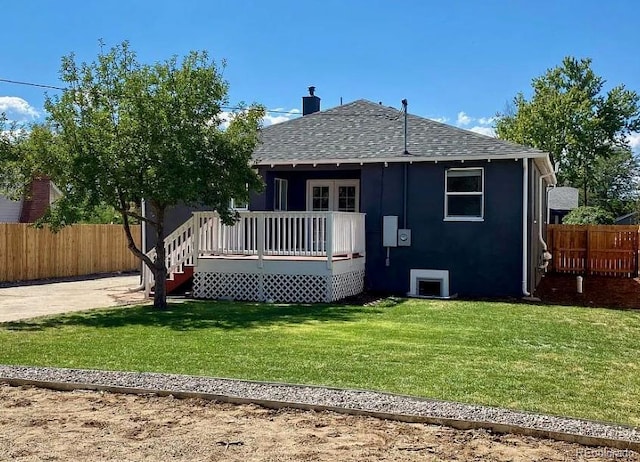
(588, 216)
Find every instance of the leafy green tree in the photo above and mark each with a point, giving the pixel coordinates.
(570, 116)
(123, 131)
(15, 167)
(615, 186)
(588, 215)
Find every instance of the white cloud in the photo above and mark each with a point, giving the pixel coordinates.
(463, 119)
(488, 131)
(225, 118)
(634, 141)
(486, 120)
(442, 120)
(16, 107)
(276, 117)
(271, 118)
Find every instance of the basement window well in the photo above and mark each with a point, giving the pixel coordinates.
(429, 283)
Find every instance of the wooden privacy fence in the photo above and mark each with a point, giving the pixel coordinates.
(607, 250)
(28, 253)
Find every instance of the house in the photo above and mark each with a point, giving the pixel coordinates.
(632, 218)
(364, 196)
(562, 200)
(41, 193)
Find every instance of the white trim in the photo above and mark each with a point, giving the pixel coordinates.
(333, 192)
(403, 159)
(277, 199)
(542, 159)
(525, 222)
(244, 207)
(232, 205)
(437, 275)
(448, 194)
(477, 219)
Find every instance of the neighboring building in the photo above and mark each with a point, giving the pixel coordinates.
(632, 218)
(448, 211)
(41, 194)
(562, 200)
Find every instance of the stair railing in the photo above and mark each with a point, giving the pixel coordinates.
(180, 249)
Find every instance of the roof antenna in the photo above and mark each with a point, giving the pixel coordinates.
(405, 103)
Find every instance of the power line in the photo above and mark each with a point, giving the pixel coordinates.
(40, 85)
(30, 84)
(231, 108)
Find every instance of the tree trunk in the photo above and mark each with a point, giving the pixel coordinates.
(160, 294)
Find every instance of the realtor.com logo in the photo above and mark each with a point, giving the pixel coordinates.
(605, 453)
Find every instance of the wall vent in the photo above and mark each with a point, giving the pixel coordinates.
(429, 283)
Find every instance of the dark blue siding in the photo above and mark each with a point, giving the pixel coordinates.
(297, 178)
(483, 258)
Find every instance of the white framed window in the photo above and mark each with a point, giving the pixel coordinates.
(238, 205)
(333, 195)
(464, 194)
(280, 195)
(235, 204)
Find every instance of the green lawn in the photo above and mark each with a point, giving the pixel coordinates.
(571, 361)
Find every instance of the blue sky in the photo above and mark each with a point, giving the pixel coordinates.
(455, 61)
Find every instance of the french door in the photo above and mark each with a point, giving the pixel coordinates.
(333, 195)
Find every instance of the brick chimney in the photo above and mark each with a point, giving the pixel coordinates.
(37, 200)
(311, 103)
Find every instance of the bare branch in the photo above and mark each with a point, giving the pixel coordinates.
(131, 242)
(138, 216)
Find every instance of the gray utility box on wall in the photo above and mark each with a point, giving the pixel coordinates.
(390, 231)
(404, 237)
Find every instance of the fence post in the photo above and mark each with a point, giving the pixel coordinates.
(637, 251)
(587, 264)
(550, 247)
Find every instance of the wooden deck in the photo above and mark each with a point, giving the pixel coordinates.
(289, 257)
(299, 258)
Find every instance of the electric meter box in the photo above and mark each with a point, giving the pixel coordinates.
(404, 237)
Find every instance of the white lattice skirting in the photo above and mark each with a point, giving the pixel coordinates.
(281, 288)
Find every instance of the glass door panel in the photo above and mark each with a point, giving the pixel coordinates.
(321, 198)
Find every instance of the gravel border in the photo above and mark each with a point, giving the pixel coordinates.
(357, 402)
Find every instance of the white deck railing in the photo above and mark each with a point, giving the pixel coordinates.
(313, 234)
(295, 234)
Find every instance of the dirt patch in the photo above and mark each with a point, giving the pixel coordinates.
(38, 424)
(598, 291)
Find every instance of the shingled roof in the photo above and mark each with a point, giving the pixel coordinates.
(363, 131)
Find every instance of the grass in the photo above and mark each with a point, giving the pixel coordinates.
(560, 360)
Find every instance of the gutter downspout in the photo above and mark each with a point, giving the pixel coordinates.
(525, 216)
(546, 256)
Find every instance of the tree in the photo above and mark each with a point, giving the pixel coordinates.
(13, 164)
(615, 185)
(123, 131)
(587, 215)
(571, 117)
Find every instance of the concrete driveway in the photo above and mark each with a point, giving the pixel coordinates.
(31, 300)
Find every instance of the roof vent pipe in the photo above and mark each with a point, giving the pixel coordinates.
(311, 103)
(405, 179)
(405, 103)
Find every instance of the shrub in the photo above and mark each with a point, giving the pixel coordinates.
(588, 216)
